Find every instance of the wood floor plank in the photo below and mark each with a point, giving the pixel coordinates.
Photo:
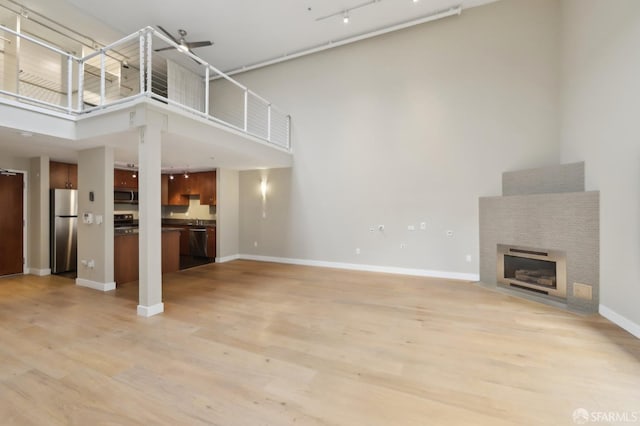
(251, 343)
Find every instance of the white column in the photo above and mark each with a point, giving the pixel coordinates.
(150, 220)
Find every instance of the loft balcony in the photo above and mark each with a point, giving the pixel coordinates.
(103, 95)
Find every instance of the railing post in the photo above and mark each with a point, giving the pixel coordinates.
(206, 90)
(142, 64)
(69, 84)
(269, 122)
(246, 109)
(80, 85)
(149, 60)
(103, 86)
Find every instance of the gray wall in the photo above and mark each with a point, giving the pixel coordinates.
(39, 198)
(600, 109)
(95, 241)
(406, 128)
(228, 200)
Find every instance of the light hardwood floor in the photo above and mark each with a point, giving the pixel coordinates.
(248, 343)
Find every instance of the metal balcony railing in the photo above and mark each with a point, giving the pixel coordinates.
(36, 73)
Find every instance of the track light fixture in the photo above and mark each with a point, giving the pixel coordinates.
(345, 12)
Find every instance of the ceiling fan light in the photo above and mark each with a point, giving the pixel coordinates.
(183, 48)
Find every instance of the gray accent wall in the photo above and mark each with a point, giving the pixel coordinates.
(406, 128)
(600, 107)
(568, 222)
(544, 180)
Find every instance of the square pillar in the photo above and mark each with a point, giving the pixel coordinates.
(150, 219)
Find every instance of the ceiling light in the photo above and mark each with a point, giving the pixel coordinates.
(182, 48)
(186, 175)
(345, 18)
(171, 177)
(416, 1)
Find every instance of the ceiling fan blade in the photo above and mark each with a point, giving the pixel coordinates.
(194, 44)
(164, 48)
(168, 34)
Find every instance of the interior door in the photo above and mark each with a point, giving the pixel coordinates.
(11, 226)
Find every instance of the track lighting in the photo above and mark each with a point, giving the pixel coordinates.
(345, 18)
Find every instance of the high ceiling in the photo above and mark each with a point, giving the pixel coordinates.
(246, 32)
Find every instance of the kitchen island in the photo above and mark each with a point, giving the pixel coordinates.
(126, 260)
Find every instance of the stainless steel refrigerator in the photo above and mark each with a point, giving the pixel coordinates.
(64, 227)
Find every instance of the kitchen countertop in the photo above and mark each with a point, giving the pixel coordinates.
(133, 230)
(189, 222)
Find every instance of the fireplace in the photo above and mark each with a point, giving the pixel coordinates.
(537, 270)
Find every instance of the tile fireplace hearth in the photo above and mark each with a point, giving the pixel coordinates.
(541, 239)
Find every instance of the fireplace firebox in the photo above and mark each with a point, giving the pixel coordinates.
(537, 270)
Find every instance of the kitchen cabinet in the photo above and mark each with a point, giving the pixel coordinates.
(63, 175)
(124, 179)
(202, 184)
(164, 192)
(211, 242)
(207, 183)
(175, 191)
(126, 261)
(184, 241)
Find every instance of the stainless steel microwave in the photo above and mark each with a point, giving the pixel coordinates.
(123, 196)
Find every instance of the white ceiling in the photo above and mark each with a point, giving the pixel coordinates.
(246, 32)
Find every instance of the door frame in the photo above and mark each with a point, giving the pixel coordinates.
(25, 231)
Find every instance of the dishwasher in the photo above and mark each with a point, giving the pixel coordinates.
(198, 242)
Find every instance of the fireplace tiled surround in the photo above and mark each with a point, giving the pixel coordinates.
(545, 209)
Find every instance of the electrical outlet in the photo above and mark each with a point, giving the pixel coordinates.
(449, 233)
(423, 226)
(255, 244)
(411, 228)
(468, 258)
(403, 245)
(358, 250)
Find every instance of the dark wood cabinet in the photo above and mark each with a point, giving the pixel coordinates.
(207, 183)
(164, 192)
(178, 189)
(125, 179)
(211, 241)
(126, 266)
(63, 175)
(184, 241)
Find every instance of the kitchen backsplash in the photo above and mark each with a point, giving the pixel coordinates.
(193, 211)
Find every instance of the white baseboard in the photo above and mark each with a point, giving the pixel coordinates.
(620, 320)
(149, 311)
(368, 268)
(39, 272)
(227, 258)
(95, 285)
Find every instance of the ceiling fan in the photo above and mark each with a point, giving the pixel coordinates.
(183, 44)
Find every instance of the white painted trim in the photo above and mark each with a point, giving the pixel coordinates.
(39, 272)
(620, 320)
(149, 311)
(95, 285)
(228, 258)
(368, 268)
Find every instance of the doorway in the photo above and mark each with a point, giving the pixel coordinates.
(11, 223)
